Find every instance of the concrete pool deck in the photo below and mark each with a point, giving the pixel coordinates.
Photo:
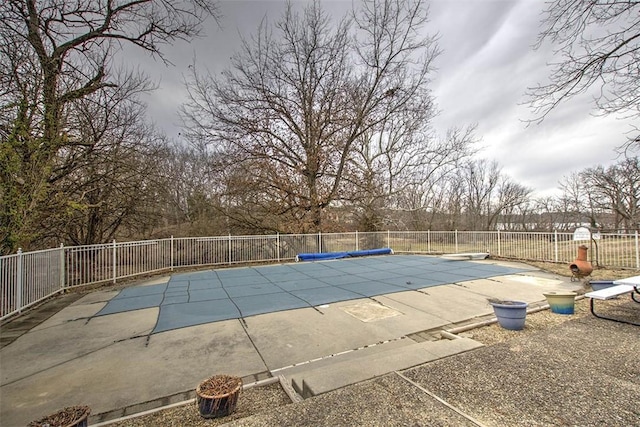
(114, 362)
(581, 372)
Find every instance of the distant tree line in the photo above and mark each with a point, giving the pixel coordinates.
(315, 126)
(474, 194)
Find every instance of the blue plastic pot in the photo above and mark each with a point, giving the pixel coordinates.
(511, 314)
(598, 285)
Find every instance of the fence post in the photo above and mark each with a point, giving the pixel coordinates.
(114, 261)
(389, 239)
(278, 246)
(171, 247)
(429, 241)
(357, 247)
(229, 248)
(456, 237)
(499, 244)
(637, 252)
(19, 283)
(62, 280)
(319, 242)
(555, 245)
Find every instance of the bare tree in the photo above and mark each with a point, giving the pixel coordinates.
(425, 187)
(189, 192)
(616, 189)
(548, 213)
(488, 193)
(55, 53)
(512, 205)
(480, 180)
(574, 203)
(387, 160)
(299, 96)
(106, 180)
(443, 204)
(598, 43)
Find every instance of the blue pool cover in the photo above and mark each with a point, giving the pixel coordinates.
(190, 299)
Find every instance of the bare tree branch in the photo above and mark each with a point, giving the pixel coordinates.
(598, 45)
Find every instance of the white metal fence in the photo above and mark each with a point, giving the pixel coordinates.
(27, 278)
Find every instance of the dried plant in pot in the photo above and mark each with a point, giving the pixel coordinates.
(218, 396)
(71, 416)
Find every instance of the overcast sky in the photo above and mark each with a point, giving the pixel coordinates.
(484, 71)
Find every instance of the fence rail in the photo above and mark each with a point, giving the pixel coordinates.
(27, 278)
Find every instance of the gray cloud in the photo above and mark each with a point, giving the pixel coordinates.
(482, 77)
(487, 85)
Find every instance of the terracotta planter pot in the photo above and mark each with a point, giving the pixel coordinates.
(561, 302)
(511, 314)
(71, 416)
(218, 396)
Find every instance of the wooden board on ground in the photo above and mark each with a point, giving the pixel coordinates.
(466, 256)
